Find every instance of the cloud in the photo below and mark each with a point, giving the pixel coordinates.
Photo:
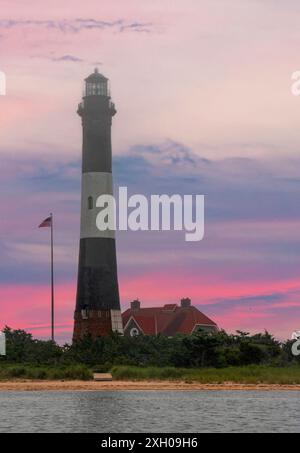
(32, 253)
(76, 25)
(70, 58)
(251, 301)
(236, 188)
(168, 153)
(27, 307)
(250, 249)
(137, 27)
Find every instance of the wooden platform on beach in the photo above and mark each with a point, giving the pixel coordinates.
(102, 377)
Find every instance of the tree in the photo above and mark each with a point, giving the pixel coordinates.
(21, 347)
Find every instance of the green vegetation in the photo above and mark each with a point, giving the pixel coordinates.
(202, 357)
(251, 374)
(39, 372)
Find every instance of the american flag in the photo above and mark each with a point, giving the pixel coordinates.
(46, 223)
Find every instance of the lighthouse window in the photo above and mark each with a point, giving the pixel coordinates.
(103, 89)
(90, 202)
(97, 89)
(91, 89)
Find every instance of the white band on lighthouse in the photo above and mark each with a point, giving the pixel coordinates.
(94, 185)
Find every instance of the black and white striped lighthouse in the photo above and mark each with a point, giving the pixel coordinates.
(97, 305)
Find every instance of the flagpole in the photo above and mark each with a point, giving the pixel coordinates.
(52, 282)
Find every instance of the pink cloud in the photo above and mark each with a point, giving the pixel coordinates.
(28, 306)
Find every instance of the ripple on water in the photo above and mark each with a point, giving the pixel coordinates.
(147, 411)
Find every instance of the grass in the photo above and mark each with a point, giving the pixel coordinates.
(253, 374)
(70, 372)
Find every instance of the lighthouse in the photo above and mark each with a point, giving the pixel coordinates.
(97, 311)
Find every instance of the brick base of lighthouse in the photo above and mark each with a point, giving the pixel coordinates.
(94, 323)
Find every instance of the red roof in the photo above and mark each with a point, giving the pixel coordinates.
(168, 320)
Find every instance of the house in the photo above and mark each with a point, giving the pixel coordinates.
(168, 320)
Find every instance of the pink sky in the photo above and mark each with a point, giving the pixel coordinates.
(211, 79)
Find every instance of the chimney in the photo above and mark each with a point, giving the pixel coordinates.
(185, 303)
(135, 305)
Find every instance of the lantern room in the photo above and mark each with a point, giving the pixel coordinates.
(96, 85)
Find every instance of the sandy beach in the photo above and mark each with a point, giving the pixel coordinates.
(92, 386)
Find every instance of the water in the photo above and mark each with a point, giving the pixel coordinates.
(142, 412)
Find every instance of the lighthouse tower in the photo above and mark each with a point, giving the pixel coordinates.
(97, 310)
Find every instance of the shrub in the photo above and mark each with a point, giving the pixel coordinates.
(218, 350)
